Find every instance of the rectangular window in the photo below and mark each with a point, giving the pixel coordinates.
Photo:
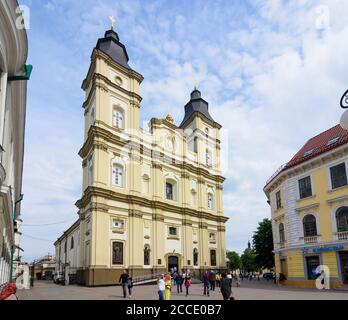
(119, 224)
(278, 200)
(169, 191)
(211, 236)
(213, 258)
(90, 172)
(172, 231)
(117, 253)
(312, 264)
(338, 176)
(305, 187)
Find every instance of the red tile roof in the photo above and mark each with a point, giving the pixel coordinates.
(319, 144)
(316, 146)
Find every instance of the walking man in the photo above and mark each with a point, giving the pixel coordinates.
(179, 281)
(161, 287)
(226, 289)
(124, 282)
(206, 283)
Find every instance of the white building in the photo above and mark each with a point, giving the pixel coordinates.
(13, 91)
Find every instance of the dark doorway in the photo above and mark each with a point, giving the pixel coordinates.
(344, 266)
(173, 262)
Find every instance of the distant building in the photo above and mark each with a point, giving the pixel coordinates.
(152, 200)
(13, 94)
(44, 268)
(309, 206)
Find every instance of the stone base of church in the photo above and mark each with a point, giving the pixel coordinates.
(94, 277)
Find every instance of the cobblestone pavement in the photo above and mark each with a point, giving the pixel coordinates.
(44, 290)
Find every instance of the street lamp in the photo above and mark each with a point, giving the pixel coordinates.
(344, 105)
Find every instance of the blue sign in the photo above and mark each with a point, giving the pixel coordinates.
(323, 249)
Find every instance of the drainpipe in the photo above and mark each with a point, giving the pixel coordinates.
(13, 245)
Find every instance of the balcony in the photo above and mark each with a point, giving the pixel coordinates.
(342, 235)
(311, 239)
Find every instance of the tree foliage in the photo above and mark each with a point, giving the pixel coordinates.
(248, 262)
(263, 245)
(233, 260)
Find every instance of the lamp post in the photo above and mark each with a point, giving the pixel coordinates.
(344, 105)
(14, 225)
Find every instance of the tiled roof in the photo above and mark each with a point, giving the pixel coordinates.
(323, 142)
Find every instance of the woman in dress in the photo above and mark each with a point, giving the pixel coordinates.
(168, 287)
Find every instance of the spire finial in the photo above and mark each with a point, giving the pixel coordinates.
(113, 21)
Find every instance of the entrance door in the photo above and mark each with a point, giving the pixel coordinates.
(344, 266)
(173, 262)
(284, 267)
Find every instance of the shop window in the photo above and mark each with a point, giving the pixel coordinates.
(312, 264)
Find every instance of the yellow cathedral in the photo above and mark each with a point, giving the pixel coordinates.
(152, 199)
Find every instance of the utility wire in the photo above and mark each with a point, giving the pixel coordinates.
(47, 224)
(36, 238)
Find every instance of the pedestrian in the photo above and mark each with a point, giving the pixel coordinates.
(161, 287)
(238, 280)
(206, 283)
(179, 281)
(187, 282)
(212, 280)
(130, 287)
(226, 287)
(229, 277)
(218, 279)
(168, 287)
(124, 282)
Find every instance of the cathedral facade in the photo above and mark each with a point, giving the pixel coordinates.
(152, 199)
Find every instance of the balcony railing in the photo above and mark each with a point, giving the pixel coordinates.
(311, 239)
(342, 235)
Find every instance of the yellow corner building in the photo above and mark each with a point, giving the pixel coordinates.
(309, 206)
(152, 199)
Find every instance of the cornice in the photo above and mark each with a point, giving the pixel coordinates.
(320, 160)
(98, 132)
(305, 208)
(116, 196)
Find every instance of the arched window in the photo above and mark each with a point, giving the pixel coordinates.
(195, 257)
(146, 255)
(118, 118)
(169, 191)
(281, 233)
(342, 219)
(210, 201)
(117, 175)
(309, 226)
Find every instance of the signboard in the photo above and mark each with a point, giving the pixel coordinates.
(323, 249)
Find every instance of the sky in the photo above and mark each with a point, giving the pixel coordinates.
(272, 71)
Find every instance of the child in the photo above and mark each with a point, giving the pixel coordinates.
(130, 286)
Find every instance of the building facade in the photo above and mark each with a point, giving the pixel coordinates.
(152, 199)
(309, 205)
(13, 90)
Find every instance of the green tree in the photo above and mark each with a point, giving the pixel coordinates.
(263, 245)
(247, 259)
(233, 260)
